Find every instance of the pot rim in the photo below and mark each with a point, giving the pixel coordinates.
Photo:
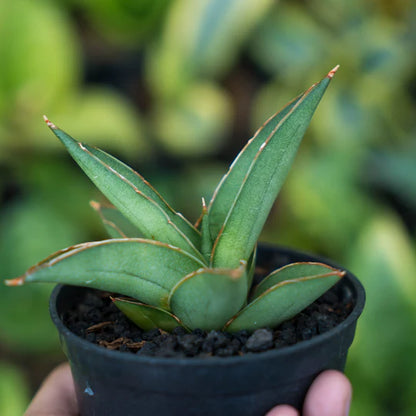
(198, 361)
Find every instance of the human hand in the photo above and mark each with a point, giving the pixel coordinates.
(329, 395)
(56, 396)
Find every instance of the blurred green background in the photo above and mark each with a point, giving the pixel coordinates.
(175, 88)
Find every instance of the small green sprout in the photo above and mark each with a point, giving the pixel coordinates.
(170, 272)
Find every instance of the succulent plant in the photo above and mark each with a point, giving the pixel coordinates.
(169, 272)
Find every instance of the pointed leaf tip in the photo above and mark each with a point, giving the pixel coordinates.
(331, 73)
(49, 123)
(18, 281)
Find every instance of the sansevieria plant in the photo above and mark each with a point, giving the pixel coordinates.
(168, 272)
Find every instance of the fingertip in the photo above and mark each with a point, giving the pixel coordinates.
(329, 395)
(283, 410)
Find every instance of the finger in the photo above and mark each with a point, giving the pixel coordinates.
(283, 410)
(56, 396)
(329, 395)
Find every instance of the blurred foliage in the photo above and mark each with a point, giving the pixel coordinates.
(385, 346)
(42, 73)
(200, 41)
(176, 87)
(14, 392)
(189, 125)
(124, 22)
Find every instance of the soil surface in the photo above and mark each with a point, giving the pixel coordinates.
(97, 320)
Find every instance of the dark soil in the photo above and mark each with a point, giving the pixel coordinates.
(97, 320)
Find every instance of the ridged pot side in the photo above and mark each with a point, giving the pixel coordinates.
(111, 382)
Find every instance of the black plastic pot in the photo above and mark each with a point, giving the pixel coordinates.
(115, 383)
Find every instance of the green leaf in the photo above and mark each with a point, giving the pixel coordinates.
(207, 298)
(285, 299)
(206, 242)
(142, 269)
(116, 224)
(254, 194)
(147, 317)
(251, 268)
(290, 272)
(132, 195)
(227, 190)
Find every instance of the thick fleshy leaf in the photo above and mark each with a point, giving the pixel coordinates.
(290, 272)
(251, 268)
(227, 190)
(206, 242)
(132, 195)
(147, 317)
(207, 298)
(115, 223)
(283, 301)
(142, 269)
(255, 194)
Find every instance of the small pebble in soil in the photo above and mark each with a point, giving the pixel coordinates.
(260, 340)
(97, 320)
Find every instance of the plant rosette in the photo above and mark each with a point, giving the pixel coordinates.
(166, 273)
